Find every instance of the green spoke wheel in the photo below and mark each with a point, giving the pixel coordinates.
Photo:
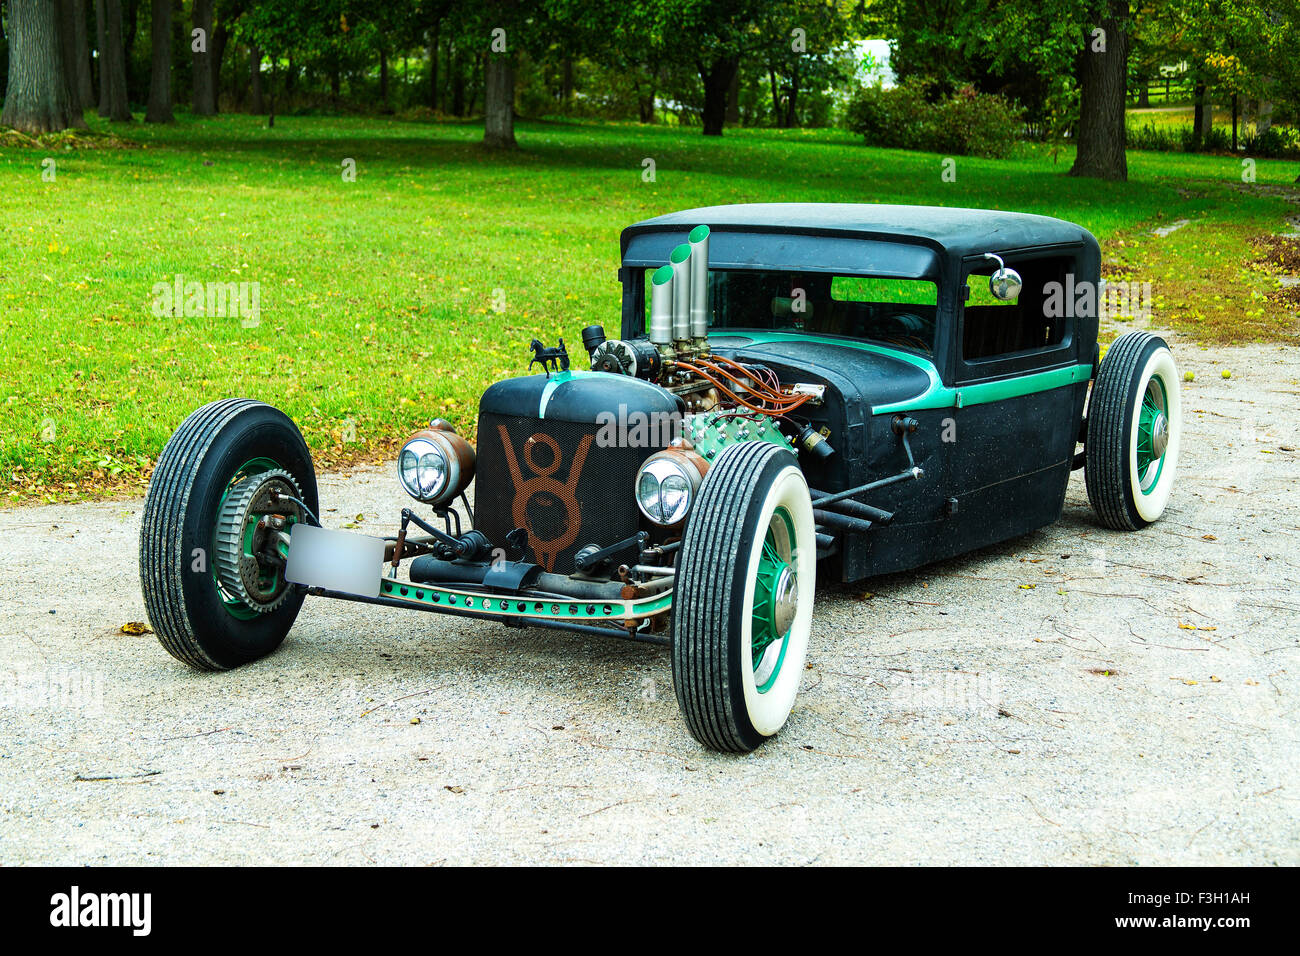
(775, 600)
(1134, 431)
(742, 607)
(213, 588)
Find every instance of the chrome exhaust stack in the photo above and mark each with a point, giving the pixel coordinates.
(680, 260)
(699, 291)
(661, 310)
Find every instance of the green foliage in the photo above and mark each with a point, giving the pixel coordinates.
(1024, 52)
(966, 123)
(1276, 142)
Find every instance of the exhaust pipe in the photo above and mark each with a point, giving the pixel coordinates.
(661, 307)
(680, 260)
(699, 262)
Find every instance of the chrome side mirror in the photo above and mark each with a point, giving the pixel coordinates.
(1004, 284)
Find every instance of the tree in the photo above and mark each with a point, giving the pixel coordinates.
(987, 41)
(68, 53)
(255, 78)
(503, 25)
(798, 41)
(499, 101)
(227, 17)
(76, 53)
(160, 77)
(722, 32)
(37, 99)
(205, 100)
(113, 99)
(1103, 81)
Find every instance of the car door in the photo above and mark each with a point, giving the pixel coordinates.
(1019, 384)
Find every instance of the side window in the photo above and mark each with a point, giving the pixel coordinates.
(993, 327)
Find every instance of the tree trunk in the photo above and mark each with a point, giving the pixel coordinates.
(67, 15)
(1103, 78)
(733, 101)
(83, 93)
(717, 80)
(242, 74)
(1206, 109)
(37, 99)
(336, 81)
(130, 23)
(255, 79)
(792, 96)
(114, 55)
(457, 82)
(1236, 107)
(205, 101)
(160, 77)
(101, 44)
(1202, 115)
(566, 83)
(499, 101)
(383, 77)
(220, 39)
(1144, 95)
(433, 67)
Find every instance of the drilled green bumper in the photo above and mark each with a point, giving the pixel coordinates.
(437, 597)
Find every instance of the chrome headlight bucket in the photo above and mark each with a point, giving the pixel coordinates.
(667, 484)
(436, 465)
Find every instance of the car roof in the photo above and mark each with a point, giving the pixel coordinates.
(954, 231)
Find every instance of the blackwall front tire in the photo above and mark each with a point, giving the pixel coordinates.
(1135, 424)
(214, 450)
(742, 608)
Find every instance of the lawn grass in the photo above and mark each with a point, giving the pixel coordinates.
(379, 296)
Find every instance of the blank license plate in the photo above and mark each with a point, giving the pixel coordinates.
(335, 560)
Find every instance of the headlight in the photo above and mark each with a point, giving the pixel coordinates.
(436, 465)
(666, 487)
(423, 469)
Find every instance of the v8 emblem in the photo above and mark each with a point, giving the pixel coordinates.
(544, 506)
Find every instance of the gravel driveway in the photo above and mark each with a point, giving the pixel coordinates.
(1073, 696)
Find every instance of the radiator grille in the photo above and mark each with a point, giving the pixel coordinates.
(554, 480)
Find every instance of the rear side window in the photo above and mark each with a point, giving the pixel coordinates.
(992, 327)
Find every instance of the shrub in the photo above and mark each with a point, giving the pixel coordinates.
(1274, 142)
(968, 123)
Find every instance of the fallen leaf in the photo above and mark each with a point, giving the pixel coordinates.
(136, 627)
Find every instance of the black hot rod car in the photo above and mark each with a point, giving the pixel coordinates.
(794, 391)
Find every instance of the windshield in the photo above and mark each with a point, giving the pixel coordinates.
(891, 311)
